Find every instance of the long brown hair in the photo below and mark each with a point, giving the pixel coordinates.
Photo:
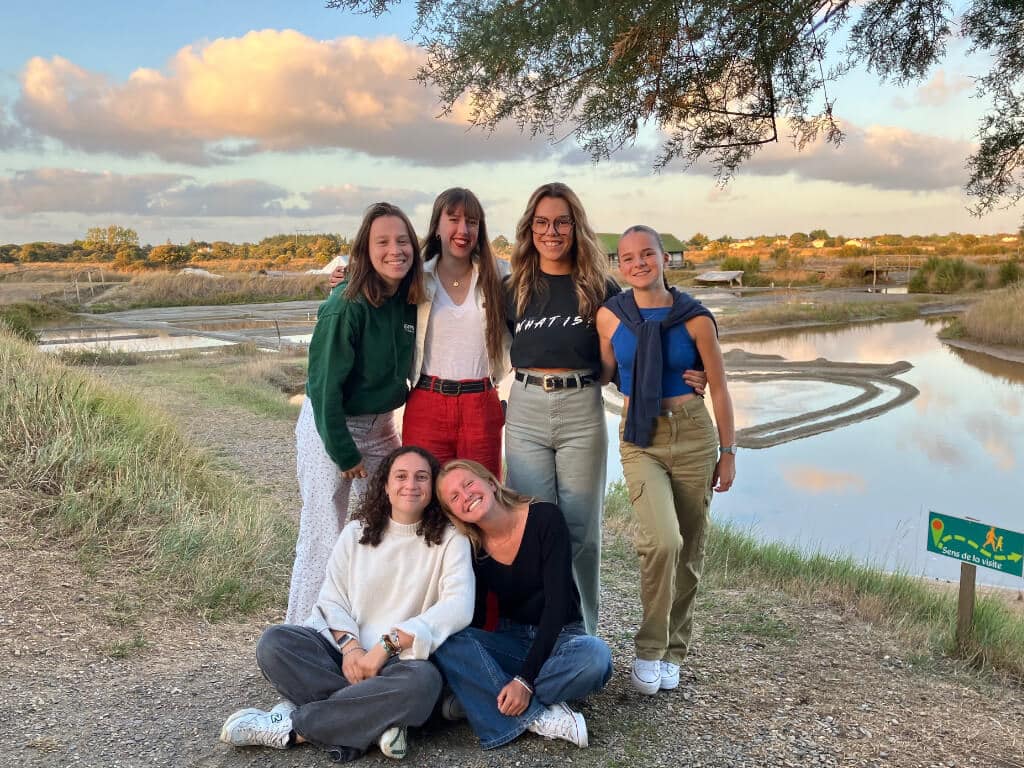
(502, 494)
(363, 279)
(489, 279)
(375, 509)
(589, 262)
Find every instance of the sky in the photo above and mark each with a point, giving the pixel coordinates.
(234, 121)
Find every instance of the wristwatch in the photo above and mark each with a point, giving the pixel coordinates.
(728, 449)
(389, 646)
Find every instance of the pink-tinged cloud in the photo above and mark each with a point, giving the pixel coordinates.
(878, 156)
(346, 198)
(62, 190)
(989, 429)
(939, 90)
(267, 91)
(815, 480)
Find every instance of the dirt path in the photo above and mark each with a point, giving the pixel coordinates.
(92, 678)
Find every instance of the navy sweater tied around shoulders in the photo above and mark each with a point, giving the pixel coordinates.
(645, 402)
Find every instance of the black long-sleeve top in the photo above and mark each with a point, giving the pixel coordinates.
(537, 588)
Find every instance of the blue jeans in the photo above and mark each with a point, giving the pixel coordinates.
(556, 449)
(478, 664)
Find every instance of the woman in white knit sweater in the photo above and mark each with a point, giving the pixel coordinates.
(399, 581)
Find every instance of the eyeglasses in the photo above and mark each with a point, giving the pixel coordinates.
(563, 225)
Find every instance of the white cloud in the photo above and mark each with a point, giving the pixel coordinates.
(882, 157)
(344, 199)
(940, 90)
(266, 91)
(166, 195)
(58, 189)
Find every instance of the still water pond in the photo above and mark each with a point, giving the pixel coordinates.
(865, 489)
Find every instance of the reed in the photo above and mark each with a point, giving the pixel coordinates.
(997, 318)
(114, 478)
(173, 289)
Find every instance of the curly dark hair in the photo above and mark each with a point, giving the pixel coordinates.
(375, 509)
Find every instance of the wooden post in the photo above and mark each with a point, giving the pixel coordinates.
(965, 605)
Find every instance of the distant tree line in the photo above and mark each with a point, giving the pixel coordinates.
(120, 246)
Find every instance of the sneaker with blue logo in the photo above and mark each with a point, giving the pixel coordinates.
(394, 742)
(255, 728)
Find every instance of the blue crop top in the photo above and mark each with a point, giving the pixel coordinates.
(678, 351)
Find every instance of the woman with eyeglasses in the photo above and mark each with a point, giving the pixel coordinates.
(555, 439)
(556, 444)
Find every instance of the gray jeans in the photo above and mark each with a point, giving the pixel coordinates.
(556, 449)
(306, 669)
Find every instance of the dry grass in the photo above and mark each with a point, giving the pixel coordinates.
(998, 318)
(107, 474)
(798, 312)
(170, 289)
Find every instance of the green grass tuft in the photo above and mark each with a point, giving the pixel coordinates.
(736, 561)
(22, 318)
(108, 474)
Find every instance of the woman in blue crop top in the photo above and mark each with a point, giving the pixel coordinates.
(653, 333)
(556, 443)
(519, 677)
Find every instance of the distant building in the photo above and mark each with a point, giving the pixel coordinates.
(673, 247)
(819, 243)
(341, 260)
(742, 244)
(732, 277)
(1009, 239)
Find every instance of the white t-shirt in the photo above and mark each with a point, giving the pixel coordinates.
(454, 347)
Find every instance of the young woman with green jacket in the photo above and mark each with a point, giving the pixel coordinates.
(359, 362)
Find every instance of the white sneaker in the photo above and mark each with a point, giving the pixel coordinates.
(669, 675)
(560, 722)
(394, 742)
(646, 676)
(256, 728)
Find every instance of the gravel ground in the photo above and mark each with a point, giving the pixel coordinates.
(93, 678)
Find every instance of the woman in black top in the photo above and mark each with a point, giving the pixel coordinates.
(519, 677)
(556, 444)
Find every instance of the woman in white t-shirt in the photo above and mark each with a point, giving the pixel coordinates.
(462, 340)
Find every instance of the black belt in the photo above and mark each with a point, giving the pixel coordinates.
(551, 382)
(453, 387)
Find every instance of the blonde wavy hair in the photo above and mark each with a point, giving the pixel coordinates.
(589, 262)
(502, 494)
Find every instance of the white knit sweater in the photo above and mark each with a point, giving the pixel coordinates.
(424, 590)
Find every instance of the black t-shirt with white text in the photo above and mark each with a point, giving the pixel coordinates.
(551, 333)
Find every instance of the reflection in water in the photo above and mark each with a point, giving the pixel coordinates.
(879, 393)
(815, 480)
(137, 342)
(866, 489)
(1004, 369)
